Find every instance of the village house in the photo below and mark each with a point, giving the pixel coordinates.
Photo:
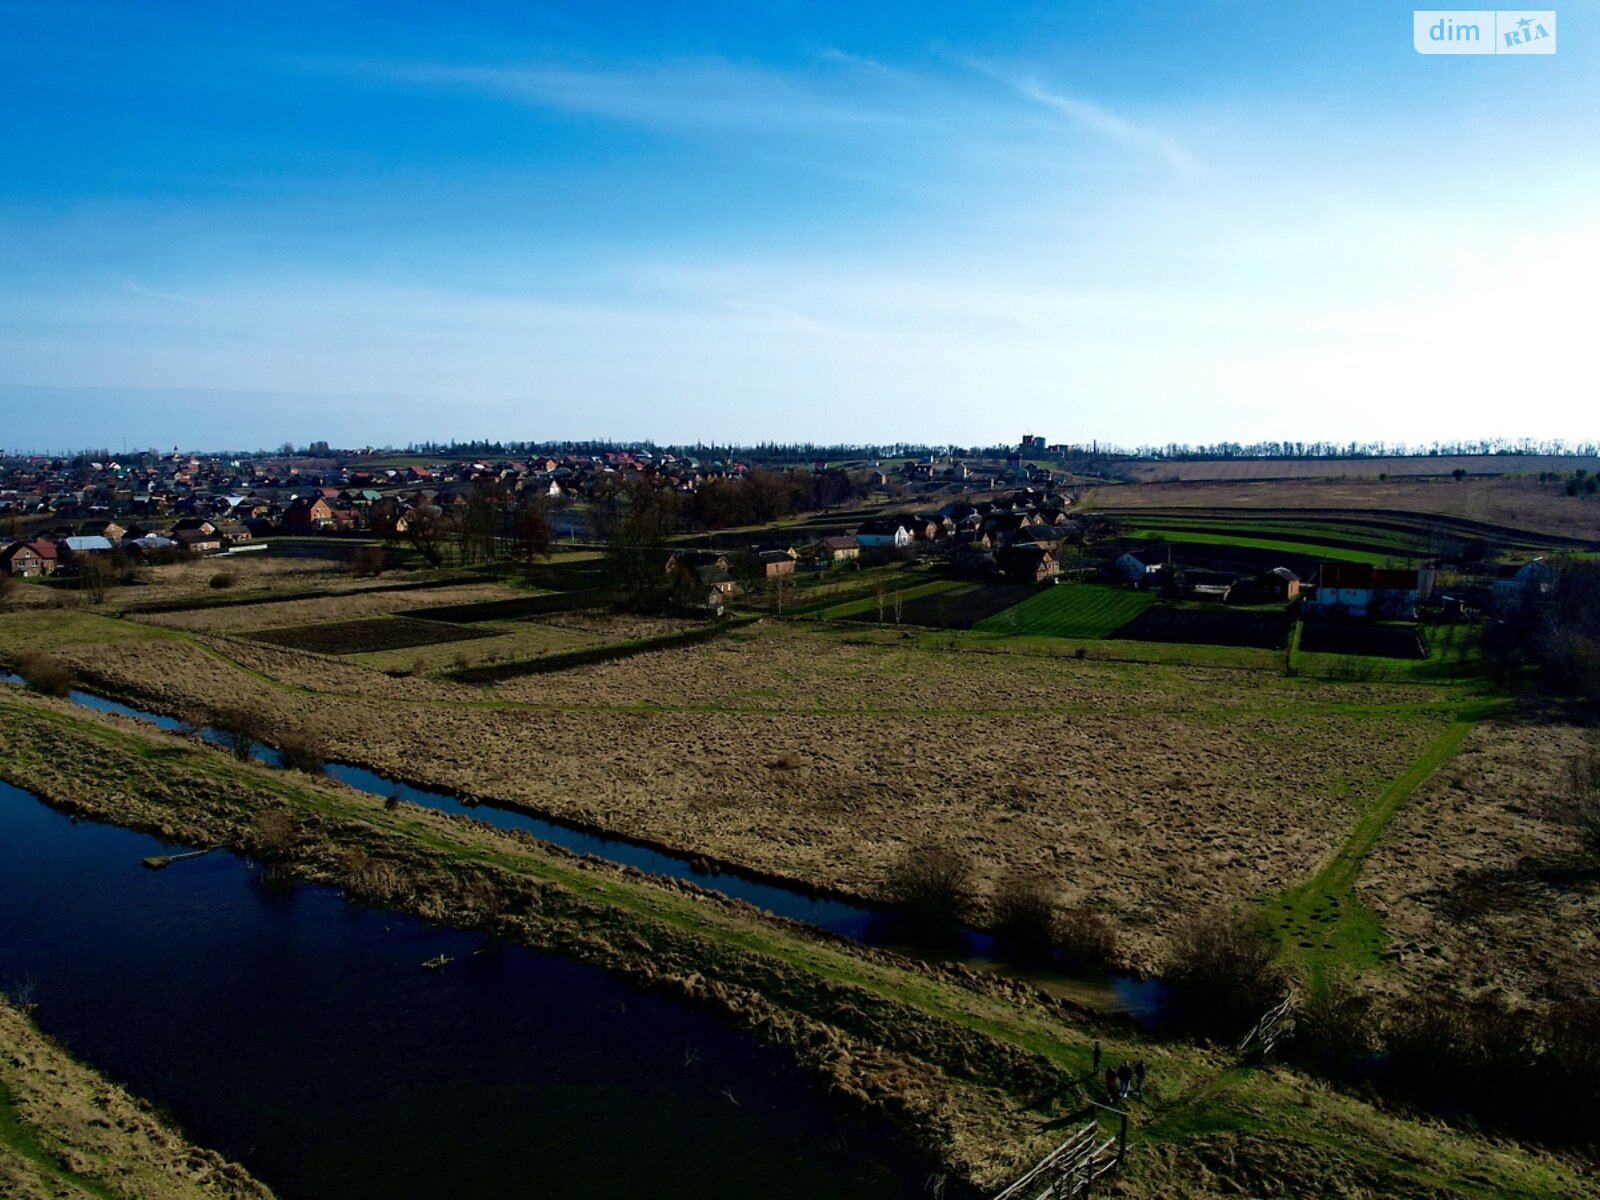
(1027, 564)
(835, 551)
(73, 549)
(198, 541)
(1141, 566)
(1280, 583)
(883, 531)
(29, 560)
(776, 562)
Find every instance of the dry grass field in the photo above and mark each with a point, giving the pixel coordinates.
(1479, 890)
(1521, 504)
(1150, 791)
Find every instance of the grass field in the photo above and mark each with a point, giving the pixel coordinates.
(1079, 610)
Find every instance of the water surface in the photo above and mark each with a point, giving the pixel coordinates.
(297, 1033)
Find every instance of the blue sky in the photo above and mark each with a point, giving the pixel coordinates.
(234, 224)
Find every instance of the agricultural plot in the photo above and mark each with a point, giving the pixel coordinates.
(963, 607)
(1380, 641)
(365, 637)
(1265, 630)
(1302, 550)
(866, 608)
(1084, 610)
(513, 608)
(1361, 535)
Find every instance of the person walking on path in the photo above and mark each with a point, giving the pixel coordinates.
(1111, 1086)
(1138, 1075)
(1095, 1070)
(1124, 1079)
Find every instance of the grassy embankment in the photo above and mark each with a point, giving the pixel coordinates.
(983, 1072)
(68, 1133)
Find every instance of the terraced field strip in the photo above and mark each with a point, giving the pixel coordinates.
(1080, 610)
(1313, 549)
(1319, 532)
(853, 608)
(1320, 923)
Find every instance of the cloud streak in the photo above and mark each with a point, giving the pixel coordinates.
(1106, 124)
(704, 95)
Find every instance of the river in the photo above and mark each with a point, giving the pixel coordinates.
(295, 1032)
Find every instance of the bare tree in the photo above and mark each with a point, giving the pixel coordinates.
(1578, 804)
(932, 884)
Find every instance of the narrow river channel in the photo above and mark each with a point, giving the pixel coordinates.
(296, 1032)
(1140, 998)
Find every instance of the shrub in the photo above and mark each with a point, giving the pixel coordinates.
(1582, 803)
(301, 752)
(241, 729)
(1336, 1030)
(224, 579)
(931, 884)
(273, 836)
(1086, 939)
(1461, 1057)
(369, 561)
(1024, 918)
(1224, 973)
(46, 674)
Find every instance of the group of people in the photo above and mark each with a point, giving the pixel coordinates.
(1119, 1080)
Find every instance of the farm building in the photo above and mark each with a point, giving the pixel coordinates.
(1514, 584)
(1359, 591)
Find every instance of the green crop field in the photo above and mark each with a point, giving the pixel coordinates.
(1342, 554)
(1081, 610)
(1321, 532)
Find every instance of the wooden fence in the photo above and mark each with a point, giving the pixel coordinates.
(1071, 1170)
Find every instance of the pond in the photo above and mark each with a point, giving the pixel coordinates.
(297, 1033)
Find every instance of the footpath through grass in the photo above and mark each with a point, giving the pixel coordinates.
(1320, 924)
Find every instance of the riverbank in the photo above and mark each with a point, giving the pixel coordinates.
(983, 1073)
(68, 1132)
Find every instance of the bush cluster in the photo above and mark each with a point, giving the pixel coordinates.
(933, 886)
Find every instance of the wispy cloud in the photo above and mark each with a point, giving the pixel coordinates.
(1105, 123)
(694, 94)
(138, 289)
